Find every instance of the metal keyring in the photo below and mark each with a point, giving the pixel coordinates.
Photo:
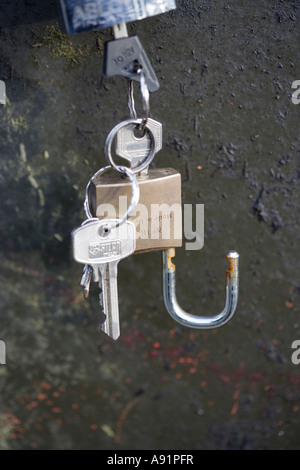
(146, 99)
(134, 198)
(148, 159)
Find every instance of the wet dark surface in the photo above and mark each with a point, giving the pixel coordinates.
(231, 129)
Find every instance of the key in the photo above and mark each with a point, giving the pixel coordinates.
(101, 251)
(134, 148)
(123, 56)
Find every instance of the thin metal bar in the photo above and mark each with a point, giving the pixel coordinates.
(194, 321)
(120, 31)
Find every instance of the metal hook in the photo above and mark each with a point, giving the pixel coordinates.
(193, 321)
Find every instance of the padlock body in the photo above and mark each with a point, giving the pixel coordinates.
(157, 217)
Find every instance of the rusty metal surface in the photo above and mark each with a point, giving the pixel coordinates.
(231, 129)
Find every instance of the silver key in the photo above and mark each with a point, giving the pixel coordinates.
(101, 252)
(135, 149)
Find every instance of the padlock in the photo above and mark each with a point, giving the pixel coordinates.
(157, 217)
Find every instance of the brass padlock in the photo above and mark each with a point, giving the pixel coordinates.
(157, 217)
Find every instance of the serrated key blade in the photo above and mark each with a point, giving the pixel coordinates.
(109, 285)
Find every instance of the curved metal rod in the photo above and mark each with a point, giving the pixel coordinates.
(194, 321)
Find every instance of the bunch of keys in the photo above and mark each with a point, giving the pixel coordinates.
(100, 245)
(101, 241)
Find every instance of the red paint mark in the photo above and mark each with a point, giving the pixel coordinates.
(128, 341)
(32, 405)
(56, 410)
(94, 427)
(123, 416)
(234, 408)
(45, 385)
(42, 396)
(288, 304)
(225, 378)
(14, 420)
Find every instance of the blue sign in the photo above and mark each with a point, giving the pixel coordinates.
(86, 15)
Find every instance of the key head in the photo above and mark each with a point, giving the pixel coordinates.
(92, 245)
(134, 148)
(121, 57)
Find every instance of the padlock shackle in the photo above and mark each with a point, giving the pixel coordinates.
(194, 321)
